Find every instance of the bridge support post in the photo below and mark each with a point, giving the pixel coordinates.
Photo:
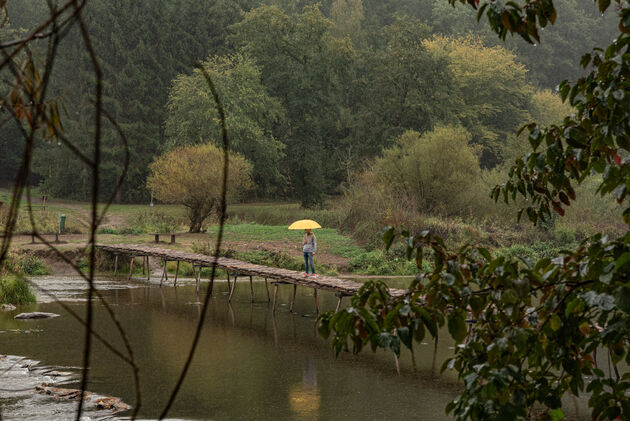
(148, 268)
(293, 297)
(144, 263)
(251, 287)
(316, 301)
(340, 296)
(211, 282)
(197, 273)
(275, 297)
(267, 288)
(233, 288)
(115, 265)
(130, 268)
(164, 272)
(176, 272)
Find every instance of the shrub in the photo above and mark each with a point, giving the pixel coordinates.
(436, 171)
(15, 290)
(377, 262)
(564, 236)
(191, 176)
(30, 265)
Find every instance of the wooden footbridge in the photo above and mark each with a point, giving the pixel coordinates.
(235, 268)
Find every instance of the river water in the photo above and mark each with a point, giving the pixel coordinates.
(249, 365)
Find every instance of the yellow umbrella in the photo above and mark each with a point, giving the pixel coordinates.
(303, 224)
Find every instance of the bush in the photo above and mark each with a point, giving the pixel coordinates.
(31, 265)
(378, 262)
(564, 236)
(15, 291)
(436, 172)
(537, 250)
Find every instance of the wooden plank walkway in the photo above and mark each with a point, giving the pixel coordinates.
(236, 268)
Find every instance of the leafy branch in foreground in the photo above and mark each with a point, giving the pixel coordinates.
(537, 326)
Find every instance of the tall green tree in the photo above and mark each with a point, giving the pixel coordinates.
(251, 115)
(403, 87)
(141, 47)
(309, 70)
(491, 108)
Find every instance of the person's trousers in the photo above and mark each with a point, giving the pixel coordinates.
(308, 259)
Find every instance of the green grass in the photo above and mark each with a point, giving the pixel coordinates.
(328, 239)
(280, 214)
(15, 290)
(282, 260)
(377, 262)
(534, 251)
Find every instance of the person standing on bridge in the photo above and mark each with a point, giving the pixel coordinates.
(309, 247)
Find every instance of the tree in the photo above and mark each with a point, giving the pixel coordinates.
(538, 326)
(436, 172)
(141, 46)
(347, 16)
(580, 28)
(489, 107)
(405, 87)
(251, 115)
(309, 70)
(191, 176)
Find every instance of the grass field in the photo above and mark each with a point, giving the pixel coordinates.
(257, 232)
(265, 241)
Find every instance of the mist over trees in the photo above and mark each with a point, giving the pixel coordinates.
(312, 90)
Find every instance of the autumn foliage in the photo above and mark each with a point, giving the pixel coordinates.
(191, 176)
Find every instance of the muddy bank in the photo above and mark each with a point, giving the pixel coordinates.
(56, 263)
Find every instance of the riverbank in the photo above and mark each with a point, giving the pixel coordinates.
(261, 244)
(256, 232)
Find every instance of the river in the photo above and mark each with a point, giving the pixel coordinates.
(250, 364)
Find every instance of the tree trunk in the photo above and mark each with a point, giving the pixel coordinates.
(195, 226)
(195, 220)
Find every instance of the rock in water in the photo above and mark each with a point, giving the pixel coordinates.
(7, 307)
(92, 400)
(36, 315)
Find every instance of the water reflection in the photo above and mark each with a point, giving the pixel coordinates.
(250, 362)
(304, 397)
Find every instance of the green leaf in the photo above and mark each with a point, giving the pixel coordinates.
(556, 414)
(555, 322)
(405, 336)
(388, 234)
(457, 328)
(623, 260)
(622, 299)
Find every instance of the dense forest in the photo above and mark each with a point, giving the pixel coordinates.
(313, 91)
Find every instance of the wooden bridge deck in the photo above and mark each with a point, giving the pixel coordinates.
(341, 287)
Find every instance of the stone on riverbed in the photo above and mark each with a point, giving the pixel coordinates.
(92, 399)
(7, 307)
(36, 315)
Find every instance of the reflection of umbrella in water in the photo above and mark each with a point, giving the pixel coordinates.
(304, 397)
(303, 224)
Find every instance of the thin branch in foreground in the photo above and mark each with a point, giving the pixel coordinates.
(222, 213)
